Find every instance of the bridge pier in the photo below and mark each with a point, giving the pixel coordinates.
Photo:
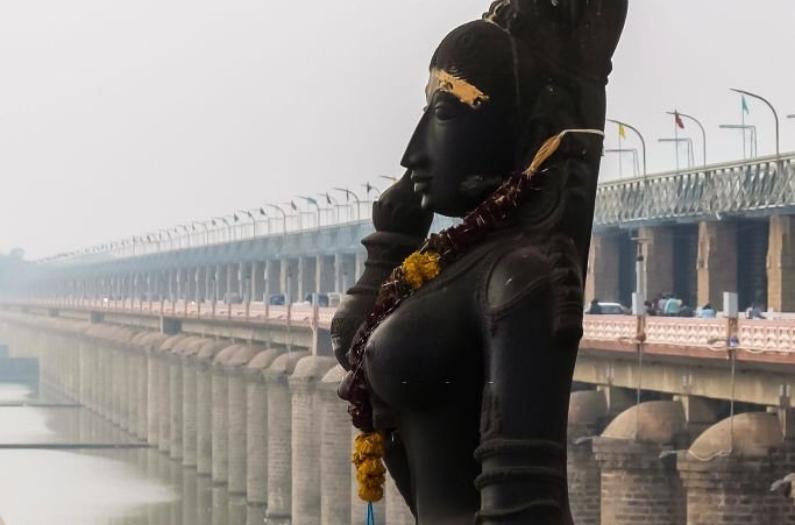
(587, 415)
(238, 447)
(335, 461)
(204, 405)
(306, 434)
(637, 486)
(279, 506)
(220, 417)
(257, 435)
(728, 471)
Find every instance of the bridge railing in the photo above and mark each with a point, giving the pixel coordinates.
(768, 336)
(762, 184)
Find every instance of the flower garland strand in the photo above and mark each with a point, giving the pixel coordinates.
(422, 266)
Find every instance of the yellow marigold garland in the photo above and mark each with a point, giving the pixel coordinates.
(368, 449)
(420, 267)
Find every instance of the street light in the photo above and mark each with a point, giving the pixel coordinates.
(348, 194)
(284, 216)
(678, 141)
(314, 203)
(698, 123)
(640, 136)
(253, 220)
(369, 187)
(187, 233)
(635, 161)
(263, 213)
(746, 127)
(206, 230)
(775, 116)
(228, 226)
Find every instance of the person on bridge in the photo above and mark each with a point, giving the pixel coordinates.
(595, 308)
(708, 312)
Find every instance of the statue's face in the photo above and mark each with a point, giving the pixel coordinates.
(463, 145)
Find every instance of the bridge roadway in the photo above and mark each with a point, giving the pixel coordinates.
(669, 430)
(680, 355)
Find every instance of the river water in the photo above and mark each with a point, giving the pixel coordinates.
(56, 468)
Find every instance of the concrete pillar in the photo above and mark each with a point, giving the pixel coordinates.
(189, 363)
(236, 436)
(204, 404)
(335, 446)
(280, 438)
(587, 415)
(220, 416)
(289, 279)
(273, 283)
(359, 259)
(637, 487)
(306, 422)
(306, 277)
(717, 261)
(163, 396)
(257, 282)
(781, 264)
(339, 273)
(175, 389)
(325, 274)
(257, 432)
(602, 276)
(658, 259)
(727, 480)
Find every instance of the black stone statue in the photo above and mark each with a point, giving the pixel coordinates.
(468, 376)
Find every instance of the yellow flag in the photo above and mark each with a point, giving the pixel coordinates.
(622, 131)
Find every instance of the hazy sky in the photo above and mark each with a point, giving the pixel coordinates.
(122, 117)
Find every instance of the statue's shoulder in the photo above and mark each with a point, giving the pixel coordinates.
(516, 271)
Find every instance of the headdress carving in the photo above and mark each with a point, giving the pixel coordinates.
(572, 35)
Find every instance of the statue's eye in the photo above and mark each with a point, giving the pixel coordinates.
(444, 111)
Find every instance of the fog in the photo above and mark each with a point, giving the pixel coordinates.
(118, 118)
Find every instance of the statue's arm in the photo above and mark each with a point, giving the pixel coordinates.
(400, 227)
(523, 464)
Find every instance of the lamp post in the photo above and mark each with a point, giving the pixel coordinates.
(334, 206)
(678, 141)
(206, 230)
(622, 151)
(263, 213)
(369, 187)
(746, 128)
(284, 216)
(227, 223)
(348, 194)
(185, 228)
(253, 221)
(698, 123)
(640, 136)
(313, 202)
(775, 116)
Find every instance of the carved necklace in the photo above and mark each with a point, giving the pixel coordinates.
(424, 265)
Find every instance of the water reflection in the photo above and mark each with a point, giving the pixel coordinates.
(95, 486)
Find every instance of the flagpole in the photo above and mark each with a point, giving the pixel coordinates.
(698, 123)
(676, 145)
(640, 136)
(775, 116)
(620, 157)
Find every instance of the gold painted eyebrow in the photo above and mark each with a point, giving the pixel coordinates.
(461, 89)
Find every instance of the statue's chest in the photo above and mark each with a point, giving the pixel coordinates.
(429, 350)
